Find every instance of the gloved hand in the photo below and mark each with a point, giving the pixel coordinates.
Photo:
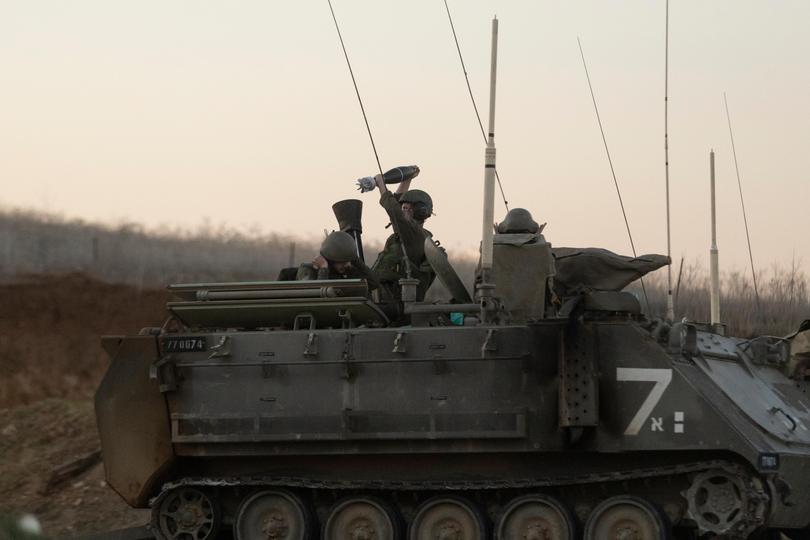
(319, 262)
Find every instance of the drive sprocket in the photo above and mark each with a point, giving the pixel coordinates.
(727, 502)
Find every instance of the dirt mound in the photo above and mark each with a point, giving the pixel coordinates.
(50, 328)
(38, 444)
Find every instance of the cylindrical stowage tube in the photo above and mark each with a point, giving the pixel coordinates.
(314, 292)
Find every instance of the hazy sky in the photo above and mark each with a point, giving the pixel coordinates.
(243, 113)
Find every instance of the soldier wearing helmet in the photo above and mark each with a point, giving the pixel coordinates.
(519, 221)
(337, 259)
(407, 210)
(519, 248)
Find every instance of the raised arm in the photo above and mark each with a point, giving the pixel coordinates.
(401, 188)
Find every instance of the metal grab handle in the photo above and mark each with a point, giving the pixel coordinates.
(220, 350)
(303, 317)
(793, 424)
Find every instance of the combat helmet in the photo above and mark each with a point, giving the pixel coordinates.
(519, 220)
(339, 246)
(423, 204)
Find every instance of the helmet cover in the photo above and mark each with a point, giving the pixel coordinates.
(423, 204)
(518, 220)
(339, 246)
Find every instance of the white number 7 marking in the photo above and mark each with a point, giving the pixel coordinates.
(661, 378)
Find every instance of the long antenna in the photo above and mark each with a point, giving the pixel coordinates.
(742, 202)
(475, 107)
(356, 91)
(485, 288)
(368, 128)
(670, 302)
(612, 171)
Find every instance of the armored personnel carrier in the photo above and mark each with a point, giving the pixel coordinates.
(543, 406)
(292, 410)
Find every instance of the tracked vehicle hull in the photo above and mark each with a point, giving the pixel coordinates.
(571, 424)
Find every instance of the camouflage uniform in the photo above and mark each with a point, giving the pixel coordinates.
(390, 264)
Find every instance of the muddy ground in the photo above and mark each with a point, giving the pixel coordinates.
(50, 365)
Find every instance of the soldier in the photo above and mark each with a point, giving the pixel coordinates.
(337, 260)
(520, 221)
(518, 227)
(408, 210)
(519, 248)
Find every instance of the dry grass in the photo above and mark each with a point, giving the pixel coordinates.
(784, 298)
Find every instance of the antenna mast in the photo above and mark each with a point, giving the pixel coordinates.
(714, 264)
(670, 303)
(485, 287)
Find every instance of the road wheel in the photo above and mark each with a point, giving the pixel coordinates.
(274, 515)
(536, 517)
(448, 518)
(363, 518)
(626, 517)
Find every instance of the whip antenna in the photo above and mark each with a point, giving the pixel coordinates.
(742, 203)
(670, 303)
(371, 138)
(612, 171)
(475, 107)
(356, 91)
